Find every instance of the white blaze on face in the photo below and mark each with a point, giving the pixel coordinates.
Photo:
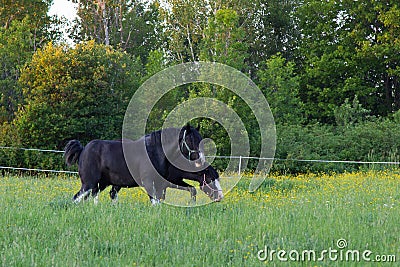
(202, 160)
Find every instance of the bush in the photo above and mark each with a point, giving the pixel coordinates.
(80, 93)
(366, 141)
(69, 93)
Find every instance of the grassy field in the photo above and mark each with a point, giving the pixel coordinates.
(289, 217)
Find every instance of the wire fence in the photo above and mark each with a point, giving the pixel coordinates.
(32, 149)
(36, 170)
(239, 158)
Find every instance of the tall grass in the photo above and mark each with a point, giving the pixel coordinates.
(41, 226)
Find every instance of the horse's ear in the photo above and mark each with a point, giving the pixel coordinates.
(198, 127)
(187, 127)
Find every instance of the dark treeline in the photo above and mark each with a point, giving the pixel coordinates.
(329, 70)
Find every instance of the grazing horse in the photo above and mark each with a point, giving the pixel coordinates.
(144, 162)
(176, 176)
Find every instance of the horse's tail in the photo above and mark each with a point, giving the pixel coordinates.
(72, 151)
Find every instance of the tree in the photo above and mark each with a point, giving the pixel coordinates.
(18, 10)
(127, 25)
(190, 24)
(24, 27)
(349, 114)
(79, 92)
(15, 51)
(348, 48)
(280, 85)
(378, 44)
(185, 23)
(223, 40)
(41, 25)
(270, 29)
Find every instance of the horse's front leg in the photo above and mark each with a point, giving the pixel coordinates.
(154, 201)
(155, 186)
(193, 193)
(182, 185)
(157, 197)
(164, 191)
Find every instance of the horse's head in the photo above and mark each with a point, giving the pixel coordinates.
(189, 143)
(210, 185)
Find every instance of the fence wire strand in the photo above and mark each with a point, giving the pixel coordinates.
(220, 157)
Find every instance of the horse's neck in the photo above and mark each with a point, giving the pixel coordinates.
(194, 176)
(169, 140)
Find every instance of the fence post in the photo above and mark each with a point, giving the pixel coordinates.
(240, 165)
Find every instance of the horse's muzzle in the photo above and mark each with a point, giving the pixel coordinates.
(213, 190)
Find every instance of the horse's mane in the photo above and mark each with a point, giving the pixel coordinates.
(153, 138)
(156, 153)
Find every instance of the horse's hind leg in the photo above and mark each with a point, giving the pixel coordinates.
(114, 193)
(82, 194)
(95, 194)
(85, 192)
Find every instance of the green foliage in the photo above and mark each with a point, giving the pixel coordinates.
(75, 93)
(11, 10)
(350, 113)
(24, 26)
(155, 62)
(127, 25)
(280, 86)
(271, 28)
(223, 41)
(348, 48)
(185, 22)
(369, 140)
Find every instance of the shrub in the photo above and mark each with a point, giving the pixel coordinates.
(376, 140)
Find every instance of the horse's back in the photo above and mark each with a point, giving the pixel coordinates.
(102, 151)
(104, 160)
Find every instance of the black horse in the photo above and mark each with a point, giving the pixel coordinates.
(145, 162)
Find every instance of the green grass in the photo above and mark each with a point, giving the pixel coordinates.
(42, 227)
